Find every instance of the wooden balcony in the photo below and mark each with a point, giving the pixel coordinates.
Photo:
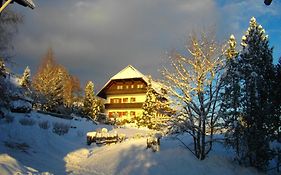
(125, 91)
(123, 105)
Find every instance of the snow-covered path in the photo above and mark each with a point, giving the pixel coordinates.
(132, 157)
(104, 159)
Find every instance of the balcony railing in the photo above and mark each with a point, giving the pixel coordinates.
(123, 105)
(125, 91)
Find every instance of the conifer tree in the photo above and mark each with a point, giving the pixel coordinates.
(91, 104)
(256, 70)
(230, 107)
(3, 85)
(55, 88)
(277, 101)
(149, 107)
(2, 68)
(25, 79)
(55, 99)
(277, 116)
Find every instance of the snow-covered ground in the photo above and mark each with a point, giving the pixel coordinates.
(30, 149)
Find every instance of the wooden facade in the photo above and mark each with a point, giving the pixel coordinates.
(125, 93)
(126, 86)
(124, 97)
(123, 105)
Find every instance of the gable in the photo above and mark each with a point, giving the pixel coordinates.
(124, 77)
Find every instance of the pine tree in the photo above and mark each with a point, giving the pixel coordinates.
(256, 70)
(25, 79)
(231, 98)
(277, 95)
(91, 104)
(277, 115)
(149, 107)
(2, 68)
(156, 108)
(4, 97)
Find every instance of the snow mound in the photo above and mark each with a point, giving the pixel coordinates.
(9, 165)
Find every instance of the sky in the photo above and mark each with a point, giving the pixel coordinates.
(95, 39)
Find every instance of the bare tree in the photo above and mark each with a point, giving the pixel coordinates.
(194, 83)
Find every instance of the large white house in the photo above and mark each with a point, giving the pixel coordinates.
(125, 93)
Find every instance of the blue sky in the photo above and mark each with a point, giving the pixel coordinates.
(95, 39)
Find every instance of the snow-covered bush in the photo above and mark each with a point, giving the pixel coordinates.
(121, 137)
(122, 120)
(44, 124)
(153, 143)
(20, 106)
(101, 118)
(27, 121)
(60, 128)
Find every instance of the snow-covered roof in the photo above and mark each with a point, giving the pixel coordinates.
(130, 72)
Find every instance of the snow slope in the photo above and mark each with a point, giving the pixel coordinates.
(132, 157)
(29, 149)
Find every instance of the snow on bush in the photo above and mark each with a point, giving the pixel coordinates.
(44, 124)
(20, 106)
(27, 121)
(60, 128)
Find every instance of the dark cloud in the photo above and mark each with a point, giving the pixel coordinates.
(95, 39)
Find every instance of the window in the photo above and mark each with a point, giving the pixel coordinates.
(113, 114)
(127, 86)
(132, 86)
(140, 86)
(119, 87)
(132, 113)
(116, 100)
(125, 100)
(133, 99)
